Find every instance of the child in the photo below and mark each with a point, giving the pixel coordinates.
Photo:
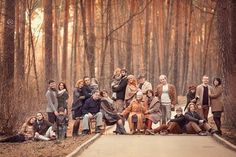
(62, 123)
(116, 80)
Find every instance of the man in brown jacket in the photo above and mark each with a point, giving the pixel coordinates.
(203, 92)
(167, 96)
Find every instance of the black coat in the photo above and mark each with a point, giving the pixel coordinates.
(192, 117)
(42, 126)
(87, 91)
(181, 120)
(190, 96)
(120, 89)
(77, 104)
(91, 106)
(62, 100)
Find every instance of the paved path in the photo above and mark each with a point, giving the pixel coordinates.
(110, 145)
(159, 146)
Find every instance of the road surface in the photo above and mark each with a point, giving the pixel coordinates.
(158, 145)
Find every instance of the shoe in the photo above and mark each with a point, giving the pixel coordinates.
(85, 132)
(97, 130)
(201, 133)
(150, 132)
(219, 132)
(164, 132)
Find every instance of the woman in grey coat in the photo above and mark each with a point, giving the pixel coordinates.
(153, 113)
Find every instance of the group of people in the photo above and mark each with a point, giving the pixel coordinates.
(133, 100)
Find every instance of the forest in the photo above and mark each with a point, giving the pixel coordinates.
(65, 40)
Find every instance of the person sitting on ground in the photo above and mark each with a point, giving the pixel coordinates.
(91, 109)
(116, 78)
(61, 123)
(78, 101)
(190, 95)
(26, 132)
(174, 126)
(109, 114)
(196, 124)
(136, 112)
(43, 128)
(153, 113)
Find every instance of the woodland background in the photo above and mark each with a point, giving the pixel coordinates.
(68, 39)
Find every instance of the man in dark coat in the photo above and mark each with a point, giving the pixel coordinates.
(91, 109)
(120, 92)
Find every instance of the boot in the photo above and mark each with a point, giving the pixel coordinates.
(75, 129)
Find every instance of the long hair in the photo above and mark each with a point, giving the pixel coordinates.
(65, 87)
(29, 119)
(78, 83)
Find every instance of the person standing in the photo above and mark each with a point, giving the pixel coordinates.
(62, 96)
(78, 99)
(120, 91)
(203, 100)
(143, 84)
(52, 105)
(217, 103)
(131, 89)
(167, 95)
(190, 95)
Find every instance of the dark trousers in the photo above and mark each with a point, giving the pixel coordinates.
(15, 138)
(217, 119)
(76, 127)
(51, 117)
(171, 127)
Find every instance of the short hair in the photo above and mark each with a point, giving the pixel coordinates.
(124, 69)
(179, 109)
(163, 76)
(50, 81)
(217, 79)
(95, 91)
(86, 77)
(151, 91)
(61, 109)
(140, 76)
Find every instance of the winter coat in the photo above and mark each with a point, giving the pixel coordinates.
(216, 99)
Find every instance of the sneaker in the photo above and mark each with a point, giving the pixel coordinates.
(85, 132)
(150, 132)
(164, 132)
(201, 133)
(97, 130)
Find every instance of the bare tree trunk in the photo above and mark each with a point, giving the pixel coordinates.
(48, 39)
(8, 65)
(176, 49)
(146, 51)
(130, 39)
(55, 40)
(65, 42)
(228, 58)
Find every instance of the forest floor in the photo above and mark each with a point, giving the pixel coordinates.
(43, 148)
(227, 133)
